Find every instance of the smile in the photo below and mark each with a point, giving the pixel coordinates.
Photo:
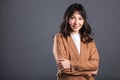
(75, 27)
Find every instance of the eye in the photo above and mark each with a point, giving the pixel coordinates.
(80, 18)
(72, 17)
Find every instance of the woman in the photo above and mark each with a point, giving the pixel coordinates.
(74, 48)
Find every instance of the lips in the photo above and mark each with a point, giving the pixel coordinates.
(75, 27)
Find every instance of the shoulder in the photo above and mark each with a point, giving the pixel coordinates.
(92, 44)
(58, 35)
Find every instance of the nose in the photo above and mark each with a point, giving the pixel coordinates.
(76, 22)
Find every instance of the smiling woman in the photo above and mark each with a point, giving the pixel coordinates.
(74, 48)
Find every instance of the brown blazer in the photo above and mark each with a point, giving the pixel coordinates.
(85, 63)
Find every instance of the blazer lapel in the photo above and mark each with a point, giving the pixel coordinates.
(72, 45)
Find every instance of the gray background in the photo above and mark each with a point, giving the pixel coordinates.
(27, 27)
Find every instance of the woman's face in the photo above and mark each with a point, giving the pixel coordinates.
(76, 22)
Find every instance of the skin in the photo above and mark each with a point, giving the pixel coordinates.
(76, 22)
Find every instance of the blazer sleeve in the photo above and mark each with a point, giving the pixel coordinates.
(58, 47)
(59, 50)
(55, 49)
(93, 62)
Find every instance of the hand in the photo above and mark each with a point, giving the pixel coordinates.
(63, 63)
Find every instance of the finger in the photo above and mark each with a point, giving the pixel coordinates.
(60, 66)
(59, 62)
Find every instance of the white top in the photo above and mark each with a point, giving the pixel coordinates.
(76, 38)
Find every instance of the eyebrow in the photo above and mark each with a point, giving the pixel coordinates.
(74, 16)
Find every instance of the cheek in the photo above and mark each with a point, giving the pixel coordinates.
(81, 22)
(70, 22)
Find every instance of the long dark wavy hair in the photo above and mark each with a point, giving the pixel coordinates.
(85, 31)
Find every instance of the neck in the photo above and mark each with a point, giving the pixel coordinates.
(75, 33)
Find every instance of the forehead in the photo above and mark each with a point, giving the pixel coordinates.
(76, 13)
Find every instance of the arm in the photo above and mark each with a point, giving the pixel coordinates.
(58, 48)
(55, 49)
(92, 63)
(60, 53)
